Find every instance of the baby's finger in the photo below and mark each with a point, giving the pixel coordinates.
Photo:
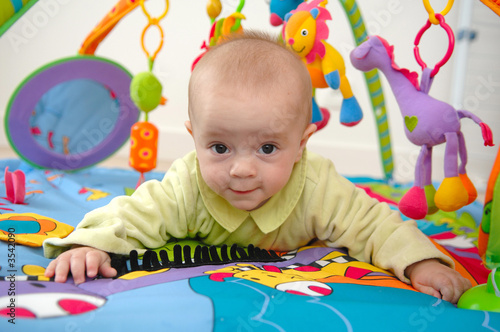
(466, 284)
(106, 270)
(449, 294)
(50, 270)
(454, 288)
(94, 260)
(78, 269)
(61, 271)
(428, 290)
(463, 285)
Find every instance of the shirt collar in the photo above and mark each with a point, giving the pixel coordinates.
(269, 216)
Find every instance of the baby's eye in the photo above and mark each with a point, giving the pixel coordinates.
(267, 149)
(219, 148)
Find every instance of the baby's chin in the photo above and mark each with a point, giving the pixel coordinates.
(248, 207)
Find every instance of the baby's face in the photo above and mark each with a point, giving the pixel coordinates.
(246, 144)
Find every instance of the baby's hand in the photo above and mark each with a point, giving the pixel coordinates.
(77, 260)
(433, 278)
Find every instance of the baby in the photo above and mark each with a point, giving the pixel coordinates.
(251, 180)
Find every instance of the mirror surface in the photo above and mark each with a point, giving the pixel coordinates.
(74, 116)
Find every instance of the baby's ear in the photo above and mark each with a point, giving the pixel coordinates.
(310, 129)
(189, 127)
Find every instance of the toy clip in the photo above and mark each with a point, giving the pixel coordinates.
(153, 21)
(237, 22)
(432, 16)
(145, 92)
(451, 44)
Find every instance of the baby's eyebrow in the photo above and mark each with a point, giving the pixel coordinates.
(213, 131)
(271, 138)
(275, 133)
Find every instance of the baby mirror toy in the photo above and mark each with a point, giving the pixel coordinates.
(76, 111)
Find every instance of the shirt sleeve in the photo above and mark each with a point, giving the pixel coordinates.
(369, 229)
(147, 219)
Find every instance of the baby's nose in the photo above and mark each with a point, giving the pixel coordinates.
(243, 168)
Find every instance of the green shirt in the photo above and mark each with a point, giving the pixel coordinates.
(316, 203)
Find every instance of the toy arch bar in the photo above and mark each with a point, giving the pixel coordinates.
(122, 8)
(375, 90)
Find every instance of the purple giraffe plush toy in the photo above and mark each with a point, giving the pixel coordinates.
(428, 122)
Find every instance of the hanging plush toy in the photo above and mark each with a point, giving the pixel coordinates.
(428, 122)
(279, 9)
(305, 32)
(145, 92)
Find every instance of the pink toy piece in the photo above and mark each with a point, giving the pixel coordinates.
(487, 134)
(324, 121)
(15, 186)
(451, 44)
(414, 204)
(275, 20)
(428, 122)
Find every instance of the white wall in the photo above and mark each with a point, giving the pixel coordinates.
(53, 29)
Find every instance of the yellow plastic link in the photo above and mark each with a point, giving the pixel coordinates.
(153, 21)
(145, 11)
(152, 57)
(432, 14)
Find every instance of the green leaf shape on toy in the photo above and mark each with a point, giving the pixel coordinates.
(145, 91)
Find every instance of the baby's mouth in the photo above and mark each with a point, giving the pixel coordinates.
(242, 192)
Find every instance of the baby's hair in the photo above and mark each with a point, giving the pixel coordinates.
(253, 60)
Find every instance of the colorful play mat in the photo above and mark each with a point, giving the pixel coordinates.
(311, 288)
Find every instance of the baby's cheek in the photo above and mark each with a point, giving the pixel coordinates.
(216, 178)
(280, 175)
(278, 183)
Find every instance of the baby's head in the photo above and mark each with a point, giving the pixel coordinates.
(250, 111)
(256, 65)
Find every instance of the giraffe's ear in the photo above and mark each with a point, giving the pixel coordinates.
(361, 51)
